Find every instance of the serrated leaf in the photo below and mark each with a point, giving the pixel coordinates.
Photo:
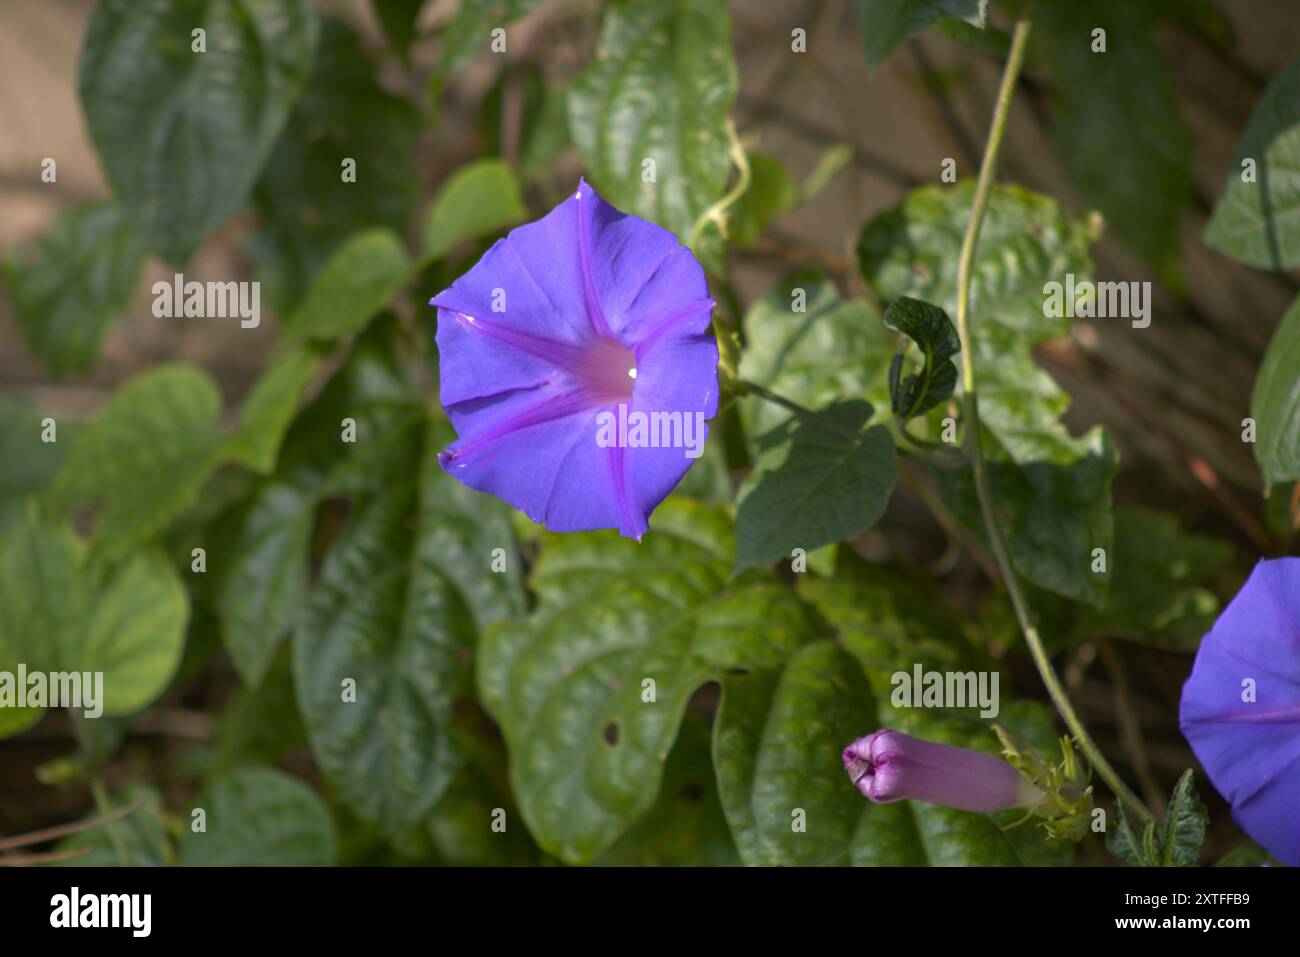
(805, 342)
(78, 283)
(479, 199)
(268, 409)
(307, 209)
(352, 287)
(401, 598)
(259, 817)
(1275, 404)
(1141, 181)
(930, 328)
(566, 684)
(887, 23)
(142, 835)
(1186, 821)
(1052, 489)
(660, 88)
(182, 134)
(1256, 222)
(145, 454)
(812, 486)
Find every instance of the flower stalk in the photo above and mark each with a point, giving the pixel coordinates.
(970, 241)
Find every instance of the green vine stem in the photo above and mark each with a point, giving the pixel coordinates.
(969, 242)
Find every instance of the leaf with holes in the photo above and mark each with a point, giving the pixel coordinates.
(591, 687)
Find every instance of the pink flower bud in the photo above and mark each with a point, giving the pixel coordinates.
(890, 766)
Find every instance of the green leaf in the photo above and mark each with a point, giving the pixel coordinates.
(1140, 181)
(78, 283)
(812, 485)
(261, 583)
(479, 199)
(1054, 514)
(260, 570)
(1247, 855)
(659, 89)
(307, 209)
(145, 455)
(772, 191)
(259, 817)
(471, 29)
(142, 835)
(1258, 222)
(1186, 822)
(27, 464)
(61, 610)
(1157, 590)
(401, 597)
(1174, 843)
(686, 827)
(40, 601)
(776, 749)
(888, 625)
(1275, 404)
(887, 23)
(358, 281)
(182, 134)
(931, 329)
(805, 342)
(568, 683)
(135, 631)
(1051, 490)
(777, 743)
(268, 409)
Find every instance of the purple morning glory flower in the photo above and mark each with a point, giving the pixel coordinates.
(578, 367)
(889, 766)
(1240, 709)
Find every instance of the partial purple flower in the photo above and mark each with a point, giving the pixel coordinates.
(586, 310)
(1240, 708)
(889, 766)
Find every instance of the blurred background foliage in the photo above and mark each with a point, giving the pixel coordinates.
(325, 559)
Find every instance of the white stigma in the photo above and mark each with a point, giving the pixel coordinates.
(631, 373)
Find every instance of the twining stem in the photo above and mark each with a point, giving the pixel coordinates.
(716, 213)
(964, 272)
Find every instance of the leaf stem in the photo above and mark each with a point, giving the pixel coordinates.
(997, 128)
(808, 415)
